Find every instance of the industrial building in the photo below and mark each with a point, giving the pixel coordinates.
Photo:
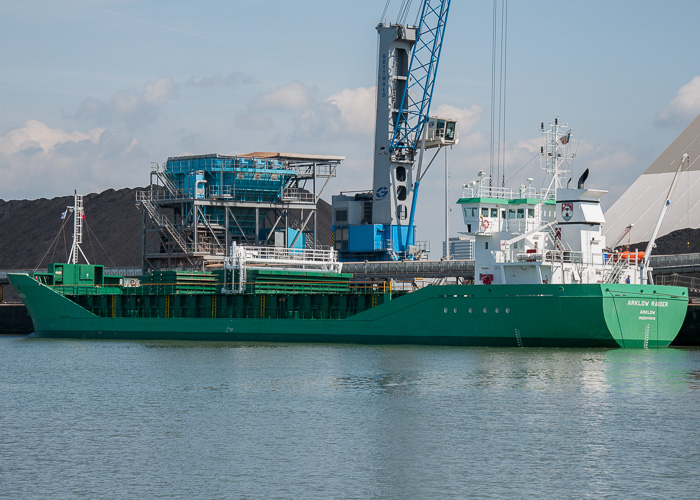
(196, 206)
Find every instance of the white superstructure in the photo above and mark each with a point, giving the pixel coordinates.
(526, 236)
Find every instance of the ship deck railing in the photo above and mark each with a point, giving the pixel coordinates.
(243, 257)
(504, 193)
(558, 257)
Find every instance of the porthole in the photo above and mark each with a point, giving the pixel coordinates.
(445, 311)
(471, 310)
(485, 310)
(454, 310)
(497, 310)
(507, 310)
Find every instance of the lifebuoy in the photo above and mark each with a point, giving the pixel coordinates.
(132, 282)
(485, 224)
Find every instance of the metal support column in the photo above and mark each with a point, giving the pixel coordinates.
(257, 226)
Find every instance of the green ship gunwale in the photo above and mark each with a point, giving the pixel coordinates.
(88, 304)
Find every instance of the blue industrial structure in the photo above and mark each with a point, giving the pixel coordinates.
(198, 205)
(253, 179)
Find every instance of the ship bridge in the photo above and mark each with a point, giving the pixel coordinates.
(488, 209)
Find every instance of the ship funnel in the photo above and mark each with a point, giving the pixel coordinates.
(582, 179)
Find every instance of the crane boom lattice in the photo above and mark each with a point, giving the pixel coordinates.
(415, 103)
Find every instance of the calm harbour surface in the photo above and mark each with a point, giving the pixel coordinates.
(96, 419)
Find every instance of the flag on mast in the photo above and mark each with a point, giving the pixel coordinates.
(564, 139)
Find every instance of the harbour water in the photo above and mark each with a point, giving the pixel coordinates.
(93, 419)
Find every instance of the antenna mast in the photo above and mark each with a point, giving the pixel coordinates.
(556, 161)
(78, 218)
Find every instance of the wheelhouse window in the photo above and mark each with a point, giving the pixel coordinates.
(450, 131)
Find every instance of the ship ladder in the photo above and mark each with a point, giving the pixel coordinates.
(167, 306)
(114, 306)
(262, 306)
(213, 306)
(374, 301)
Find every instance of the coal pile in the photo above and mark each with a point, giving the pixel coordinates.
(33, 233)
(674, 243)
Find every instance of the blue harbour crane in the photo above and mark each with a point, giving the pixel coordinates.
(379, 225)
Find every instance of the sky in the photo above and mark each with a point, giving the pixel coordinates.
(93, 91)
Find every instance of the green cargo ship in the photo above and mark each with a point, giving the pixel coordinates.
(79, 301)
(543, 277)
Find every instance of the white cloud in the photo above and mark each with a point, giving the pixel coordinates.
(357, 109)
(37, 160)
(292, 96)
(38, 136)
(321, 121)
(157, 92)
(686, 103)
(111, 149)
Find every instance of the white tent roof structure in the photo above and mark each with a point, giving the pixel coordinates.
(641, 204)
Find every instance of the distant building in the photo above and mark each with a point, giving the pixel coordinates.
(461, 248)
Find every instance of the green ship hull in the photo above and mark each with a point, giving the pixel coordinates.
(574, 315)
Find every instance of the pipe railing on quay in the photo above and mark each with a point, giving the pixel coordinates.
(672, 264)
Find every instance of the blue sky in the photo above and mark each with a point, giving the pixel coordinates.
(93, 91)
